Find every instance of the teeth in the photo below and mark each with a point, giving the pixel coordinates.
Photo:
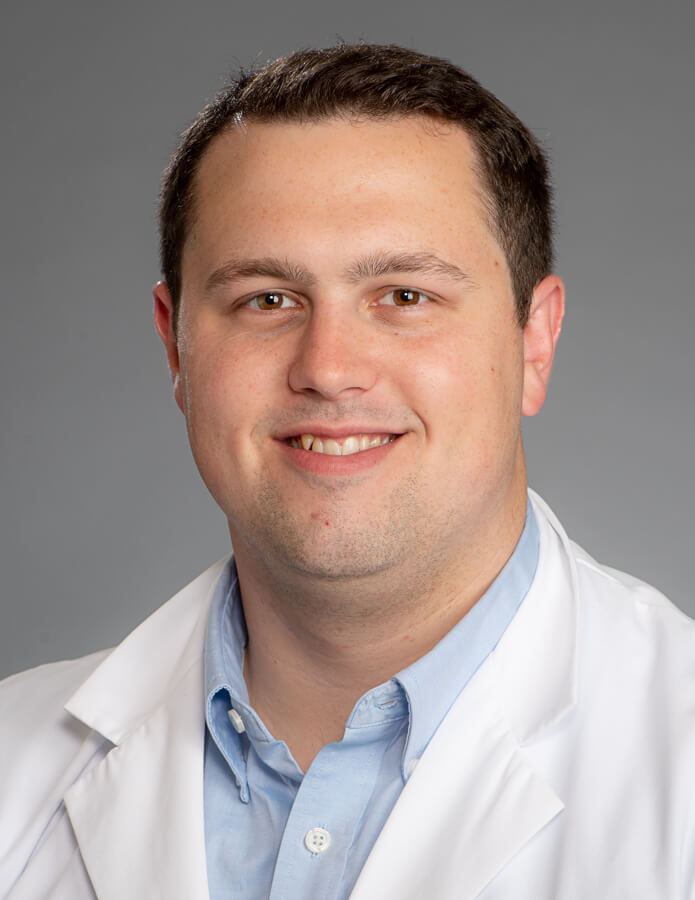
(331, 447)
(355, 443)
(351, 445)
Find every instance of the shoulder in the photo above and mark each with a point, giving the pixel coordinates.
(33, 717)
(42, 751)
(31, 702)
(633, 650)
(623, 750)
(621, 605)
(616, 609)
(31, 708)
(637, 666)
(58, 678)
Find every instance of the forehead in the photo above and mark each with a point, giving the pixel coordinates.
(354, 146)
(339, 176)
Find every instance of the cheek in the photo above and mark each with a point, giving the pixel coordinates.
(221, 386)
(469, 387)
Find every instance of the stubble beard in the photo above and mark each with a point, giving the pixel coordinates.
(361, 565)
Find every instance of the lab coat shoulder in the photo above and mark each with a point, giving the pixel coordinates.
(639, 669)
(632, 629)
(92, 752)
(623, 758)
(42, 752)
(637, 690)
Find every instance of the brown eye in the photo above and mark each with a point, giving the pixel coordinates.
(271, 300)
(405, 297)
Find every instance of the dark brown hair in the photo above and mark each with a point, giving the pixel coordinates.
(375, 81)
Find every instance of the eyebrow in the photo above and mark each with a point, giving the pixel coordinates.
(377, 264)
(374, 265)
(263, 267)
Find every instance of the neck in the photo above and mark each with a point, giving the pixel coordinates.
(317, 645)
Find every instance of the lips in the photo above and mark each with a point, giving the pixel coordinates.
(343, 446)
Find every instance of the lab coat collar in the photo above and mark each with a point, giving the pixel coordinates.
(138, 814)
(536, 660)
(474, 800)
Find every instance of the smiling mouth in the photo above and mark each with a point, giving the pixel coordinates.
(354, 443)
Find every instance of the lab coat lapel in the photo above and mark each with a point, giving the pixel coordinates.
(474, 800)
(470, 805)
(138, 814)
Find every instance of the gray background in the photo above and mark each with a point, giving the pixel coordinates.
(103, 514)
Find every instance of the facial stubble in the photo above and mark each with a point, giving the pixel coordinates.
(360, 565)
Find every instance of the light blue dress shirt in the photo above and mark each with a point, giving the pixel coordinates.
(274, 832)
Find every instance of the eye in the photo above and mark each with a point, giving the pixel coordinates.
(271, 300)
(404, 297)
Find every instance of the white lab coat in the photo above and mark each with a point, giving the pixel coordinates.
(564, 771)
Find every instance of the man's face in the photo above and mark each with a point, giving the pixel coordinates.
(341, 282)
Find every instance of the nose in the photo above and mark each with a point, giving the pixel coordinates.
(337, 354)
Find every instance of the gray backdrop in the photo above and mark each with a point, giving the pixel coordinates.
(103, 514)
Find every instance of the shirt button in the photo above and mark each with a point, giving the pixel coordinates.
(236, 721)
(317, 840)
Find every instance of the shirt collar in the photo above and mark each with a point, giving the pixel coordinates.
(226, 636)
(225, 687)
(425, 690)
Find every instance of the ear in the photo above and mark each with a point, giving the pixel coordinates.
(164, 323)
(540, 338)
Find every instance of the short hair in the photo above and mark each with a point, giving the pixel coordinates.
(375, 81)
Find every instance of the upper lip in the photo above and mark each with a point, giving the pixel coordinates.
(337, 432)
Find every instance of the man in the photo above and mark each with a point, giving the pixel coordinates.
(409, 682)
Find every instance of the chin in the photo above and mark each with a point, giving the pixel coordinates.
(332, 553)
